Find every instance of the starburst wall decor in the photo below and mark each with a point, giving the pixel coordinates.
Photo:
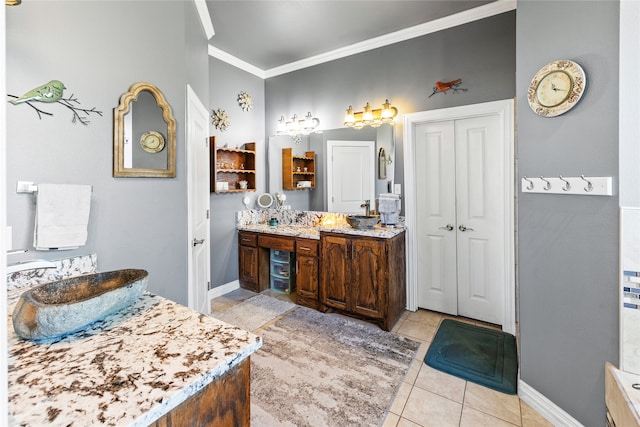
(220, 119)
(244, 101)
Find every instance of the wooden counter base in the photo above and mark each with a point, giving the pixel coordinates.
(225, 402)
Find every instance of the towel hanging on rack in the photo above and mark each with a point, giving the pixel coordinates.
(62, 216)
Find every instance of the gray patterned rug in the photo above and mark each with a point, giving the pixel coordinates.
(318, 370)
(254, 312)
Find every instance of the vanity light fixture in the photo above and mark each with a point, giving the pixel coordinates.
(369, 117)
(12, 2)
(298, 127)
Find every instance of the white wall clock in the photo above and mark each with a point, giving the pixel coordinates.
(556, 88)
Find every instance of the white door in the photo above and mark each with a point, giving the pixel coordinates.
(436, 222)
(461, 217)
(198, 203)
(350, 175)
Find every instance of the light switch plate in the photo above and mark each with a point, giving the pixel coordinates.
(397, 188)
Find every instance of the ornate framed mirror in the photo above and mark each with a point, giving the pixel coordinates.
(144, 134)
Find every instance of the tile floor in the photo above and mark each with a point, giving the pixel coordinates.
(428, 397)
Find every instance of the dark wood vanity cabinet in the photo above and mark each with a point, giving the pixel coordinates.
(363, 276)
(307, 272)
(248, 260)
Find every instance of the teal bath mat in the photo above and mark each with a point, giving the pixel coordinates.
(480, 355)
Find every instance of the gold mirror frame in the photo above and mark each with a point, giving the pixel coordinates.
(118, 134)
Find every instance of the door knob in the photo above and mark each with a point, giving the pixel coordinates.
(197, 242)
(448, 227)
(463, 228)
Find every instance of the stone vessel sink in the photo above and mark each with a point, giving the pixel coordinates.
(59, 308)
(364, 222)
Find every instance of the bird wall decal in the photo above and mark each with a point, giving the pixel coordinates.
(48, 92)
(443, 87)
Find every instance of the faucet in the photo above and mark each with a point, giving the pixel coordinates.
(367, 207)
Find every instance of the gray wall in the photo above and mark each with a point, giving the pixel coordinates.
(226, 82)
(481, 53)
(568, 245)
(98, 49)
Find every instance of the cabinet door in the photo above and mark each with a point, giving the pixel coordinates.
(307, 277)
(368, 277)
(248, 265)
(335, 272)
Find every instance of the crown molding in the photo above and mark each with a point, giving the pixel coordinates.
(475, 14)
(236, 62)
(205, 18)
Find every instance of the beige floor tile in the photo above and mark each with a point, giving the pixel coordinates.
(417, 330)
(425, 316)
(391, 420)
(440, 383)
(500, 405)
(412, 372)
(531, 418)
(474, 418)
(406, 423)
(430, 410)
(422, 350)
(401, 398)
(222, 304)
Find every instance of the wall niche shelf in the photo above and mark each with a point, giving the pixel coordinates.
(229, 166)
(298, 170)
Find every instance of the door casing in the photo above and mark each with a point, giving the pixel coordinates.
(505, 110)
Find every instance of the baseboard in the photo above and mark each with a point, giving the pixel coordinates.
(549, 410)
(218, 291)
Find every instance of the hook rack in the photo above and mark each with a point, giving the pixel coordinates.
(576, 185)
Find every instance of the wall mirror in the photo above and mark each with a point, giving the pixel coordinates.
(144, 134)
(316, 199)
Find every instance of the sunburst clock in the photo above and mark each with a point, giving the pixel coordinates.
(220, 119)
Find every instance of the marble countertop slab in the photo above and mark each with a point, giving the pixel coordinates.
(126, 370)
(314, 232)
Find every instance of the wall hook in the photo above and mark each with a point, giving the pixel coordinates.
(548, 185)
(530, 186)
(589, 186)
(567, 184)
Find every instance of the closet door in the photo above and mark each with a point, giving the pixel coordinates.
(436, 220)
(480, 215)
(461, 243)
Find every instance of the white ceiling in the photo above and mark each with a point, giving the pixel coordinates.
(268, 36)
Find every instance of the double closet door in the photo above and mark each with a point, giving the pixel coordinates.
(460, 181)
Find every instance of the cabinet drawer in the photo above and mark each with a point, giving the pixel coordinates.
(307, 247)
(276, 242)
(248, 239)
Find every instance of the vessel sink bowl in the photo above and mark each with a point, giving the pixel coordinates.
(363, 222)
(65, 306)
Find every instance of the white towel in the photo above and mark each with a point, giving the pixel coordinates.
(62, 216)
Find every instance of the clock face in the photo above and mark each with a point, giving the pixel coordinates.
(556, 88)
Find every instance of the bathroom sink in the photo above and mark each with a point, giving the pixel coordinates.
(59, 308)
(363, 222)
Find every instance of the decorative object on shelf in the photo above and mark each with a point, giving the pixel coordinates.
(244, 101)
(220, 119)
(556, 88)
(369, 117)
(152, 141)
(50, 93)
(295, 128)
(443, 87)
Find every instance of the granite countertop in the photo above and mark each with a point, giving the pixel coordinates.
(129, 369)
(313, 232)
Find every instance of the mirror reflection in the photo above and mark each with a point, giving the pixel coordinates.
(144, 134)
(348, 142)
